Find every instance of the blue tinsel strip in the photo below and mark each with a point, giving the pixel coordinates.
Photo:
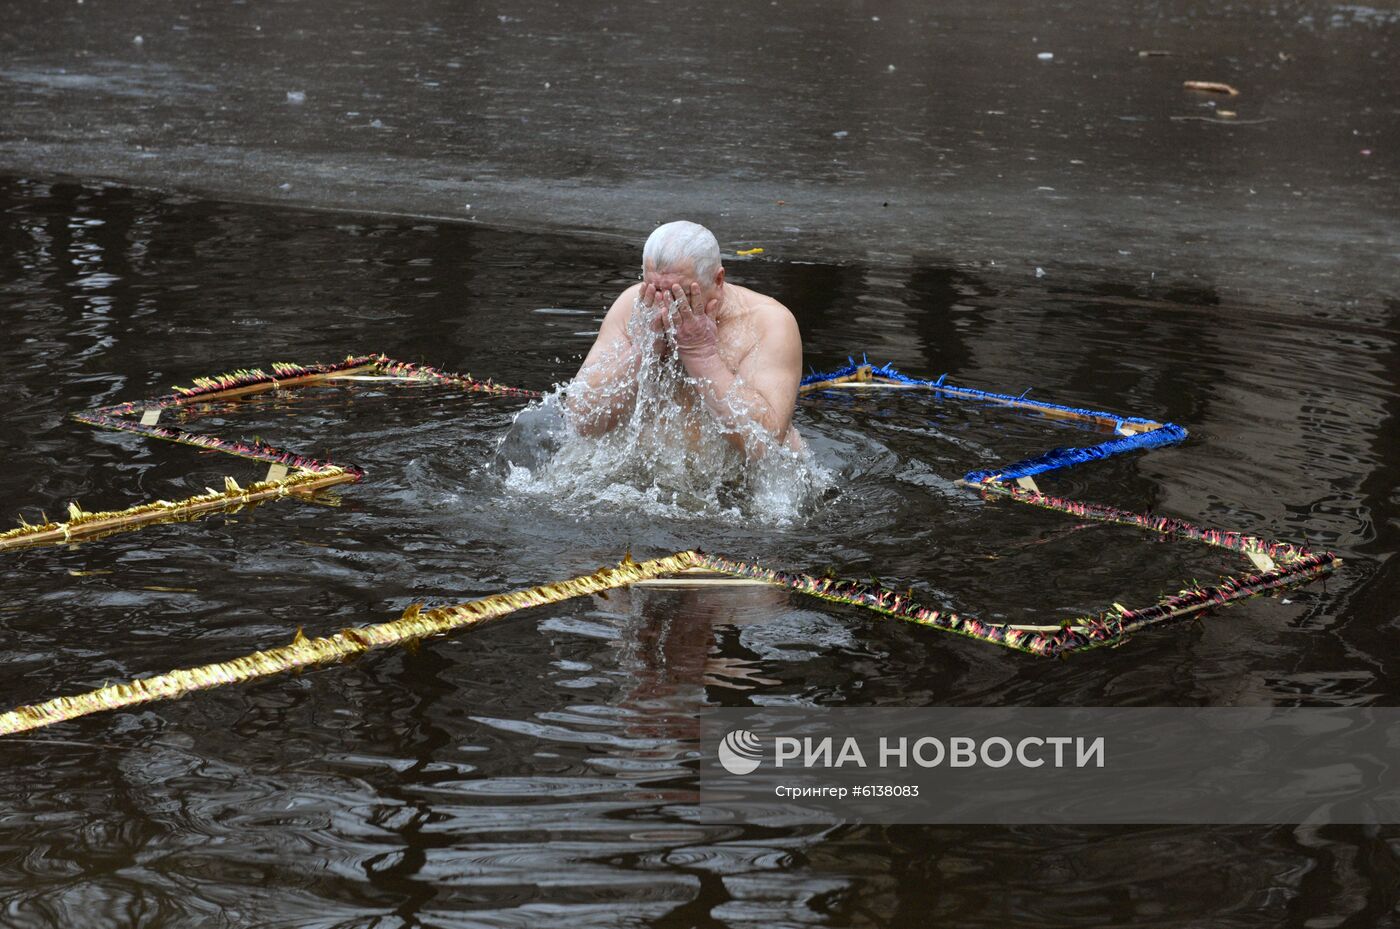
(1168, 434)
(1162, 434)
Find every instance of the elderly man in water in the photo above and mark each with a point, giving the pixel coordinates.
(741, 351)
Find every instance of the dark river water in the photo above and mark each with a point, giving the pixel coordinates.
(540, 771)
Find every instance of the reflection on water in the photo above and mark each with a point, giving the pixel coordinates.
(539, 771)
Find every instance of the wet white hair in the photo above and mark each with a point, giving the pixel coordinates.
(681, 242)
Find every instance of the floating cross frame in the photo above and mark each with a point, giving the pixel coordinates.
(1274, 565)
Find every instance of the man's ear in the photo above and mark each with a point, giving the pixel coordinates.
(719, 278)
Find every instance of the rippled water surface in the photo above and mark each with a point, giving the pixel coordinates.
(539, 771)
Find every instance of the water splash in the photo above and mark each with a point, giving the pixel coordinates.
(666, 455)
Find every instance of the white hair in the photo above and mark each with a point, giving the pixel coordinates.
(674, 244)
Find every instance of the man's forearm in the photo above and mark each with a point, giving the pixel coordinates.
(738, 408)
(602, 393)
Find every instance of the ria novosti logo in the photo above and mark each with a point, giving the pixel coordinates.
(740, 751)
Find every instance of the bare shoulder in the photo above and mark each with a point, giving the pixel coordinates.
(777, 342)
(621, 309)
(625, 300)
(770, 317)
(776, 326)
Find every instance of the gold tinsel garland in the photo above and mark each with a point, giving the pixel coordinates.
(416, 623)
(84, 525)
